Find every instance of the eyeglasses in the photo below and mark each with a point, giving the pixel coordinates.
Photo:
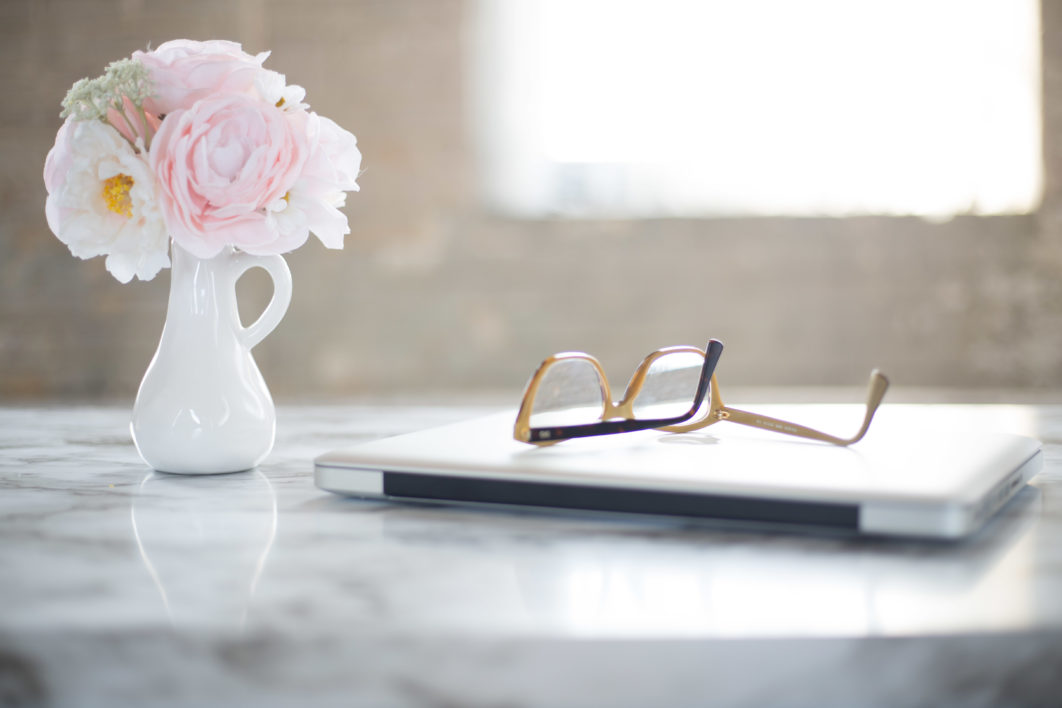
(568, 396)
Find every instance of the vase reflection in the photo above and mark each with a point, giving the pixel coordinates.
(204, 542)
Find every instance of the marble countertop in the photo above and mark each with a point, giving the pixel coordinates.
(121, 586)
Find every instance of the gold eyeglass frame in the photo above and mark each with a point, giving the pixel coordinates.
(716, 411)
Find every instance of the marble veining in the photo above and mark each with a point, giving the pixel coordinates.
(119, 585)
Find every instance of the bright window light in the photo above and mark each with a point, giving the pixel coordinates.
(716, 107)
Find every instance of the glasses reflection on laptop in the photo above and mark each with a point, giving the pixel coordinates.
(674, 389)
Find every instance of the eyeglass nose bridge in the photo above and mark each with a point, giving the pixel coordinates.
(623, 409)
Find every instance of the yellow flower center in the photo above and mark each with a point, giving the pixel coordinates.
(116, 194)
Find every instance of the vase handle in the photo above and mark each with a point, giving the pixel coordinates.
(278, 305)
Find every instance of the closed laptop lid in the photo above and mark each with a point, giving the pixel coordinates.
(899, 468)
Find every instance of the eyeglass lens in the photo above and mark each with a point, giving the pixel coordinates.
(670, 386)
(570, 392)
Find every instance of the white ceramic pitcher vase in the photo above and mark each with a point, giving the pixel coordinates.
(203, 406)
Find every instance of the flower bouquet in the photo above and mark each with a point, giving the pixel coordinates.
(195, 149)
(199, 142)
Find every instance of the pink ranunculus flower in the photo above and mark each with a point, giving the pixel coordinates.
(184, 71)
(221, 165)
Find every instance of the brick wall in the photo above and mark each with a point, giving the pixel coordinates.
(432, 292)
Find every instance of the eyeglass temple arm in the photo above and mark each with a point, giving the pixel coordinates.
(876, 389)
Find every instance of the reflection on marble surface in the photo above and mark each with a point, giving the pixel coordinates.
(205, 541)
(123, 586)
(777, 592)
(600, 578)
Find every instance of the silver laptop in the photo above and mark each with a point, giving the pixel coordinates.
(901, 480)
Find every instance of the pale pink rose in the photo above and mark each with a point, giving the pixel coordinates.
(221, 165)
(184, 71)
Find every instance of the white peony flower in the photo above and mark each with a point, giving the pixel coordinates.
(302, 211)
(313, 203)
(273, 88)
(101, 200)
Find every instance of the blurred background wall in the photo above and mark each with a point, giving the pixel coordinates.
(435, 291)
